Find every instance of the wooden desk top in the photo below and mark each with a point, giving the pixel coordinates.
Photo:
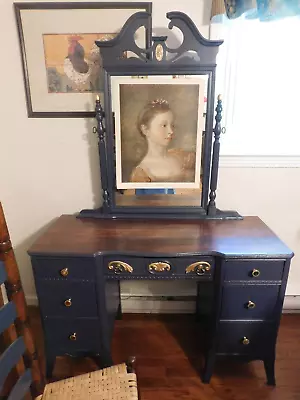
(249, 237)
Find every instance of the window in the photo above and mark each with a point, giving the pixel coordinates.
(258, 75)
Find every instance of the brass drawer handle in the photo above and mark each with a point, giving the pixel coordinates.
(68, 302)
(159, 267)
(255, 273)
(64, 272)
(119, 267)
(250, 304)
(199, 267)
(73, 336)
(245, 341)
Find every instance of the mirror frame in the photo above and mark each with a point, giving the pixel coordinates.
(158, 59)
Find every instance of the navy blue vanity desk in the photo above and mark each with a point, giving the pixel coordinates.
(78, 264)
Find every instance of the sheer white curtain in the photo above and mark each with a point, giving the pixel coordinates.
(258, 75)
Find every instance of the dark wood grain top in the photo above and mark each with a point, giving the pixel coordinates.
(249, 237)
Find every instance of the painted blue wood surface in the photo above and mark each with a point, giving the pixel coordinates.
(21, 387)
(10, 358)
(8, 314)
(3, 275)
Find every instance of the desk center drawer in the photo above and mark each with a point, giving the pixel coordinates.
(60, 298)
(156, 267)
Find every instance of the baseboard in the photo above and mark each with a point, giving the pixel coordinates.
(32, 300)
(173, 305)
(291, 304)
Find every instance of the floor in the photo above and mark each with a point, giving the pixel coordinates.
(167, 348)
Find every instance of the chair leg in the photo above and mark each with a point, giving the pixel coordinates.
(131, 364)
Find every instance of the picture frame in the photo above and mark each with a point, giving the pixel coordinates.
(158, 136)
(61, 64)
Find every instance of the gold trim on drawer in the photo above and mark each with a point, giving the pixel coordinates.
(199, 268)
(119, 267)
(64, 272)
(159, 267)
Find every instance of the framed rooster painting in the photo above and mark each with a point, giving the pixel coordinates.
(62, 65)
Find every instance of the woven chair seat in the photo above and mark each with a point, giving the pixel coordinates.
(113, 383)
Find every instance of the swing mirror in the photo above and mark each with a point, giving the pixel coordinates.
(158, 143)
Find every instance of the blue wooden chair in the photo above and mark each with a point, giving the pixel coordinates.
(12, 357)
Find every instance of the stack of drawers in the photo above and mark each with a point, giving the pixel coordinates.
(66, 289)
(251, 303)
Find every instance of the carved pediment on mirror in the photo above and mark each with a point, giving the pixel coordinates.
(158, 141)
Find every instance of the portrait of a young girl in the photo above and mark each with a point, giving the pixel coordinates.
(161, 163)
(158, 135)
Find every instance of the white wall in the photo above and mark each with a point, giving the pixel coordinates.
(49, 166)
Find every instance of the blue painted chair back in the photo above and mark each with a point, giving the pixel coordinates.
(11, 356)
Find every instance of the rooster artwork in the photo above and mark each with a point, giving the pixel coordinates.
(73, 62)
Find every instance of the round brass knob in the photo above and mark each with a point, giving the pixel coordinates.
(68, 302)
(245, 341)
(255, 273)
(250, 304)
(64, 272)
(73, 337)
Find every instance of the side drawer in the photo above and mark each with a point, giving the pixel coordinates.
(64, 268)
(256, 339)
(73, 335)
(253, 270)
(249, 301)
(67, 299)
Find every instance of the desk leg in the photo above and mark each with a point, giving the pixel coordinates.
(204, 302)
(209, 366)
(269, 364)
(119, 312)
(50, 361)
(109, 310)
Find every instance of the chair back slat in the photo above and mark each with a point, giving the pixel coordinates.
(10, 358)
(3, 275)
(8, 314)
(21, 387)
